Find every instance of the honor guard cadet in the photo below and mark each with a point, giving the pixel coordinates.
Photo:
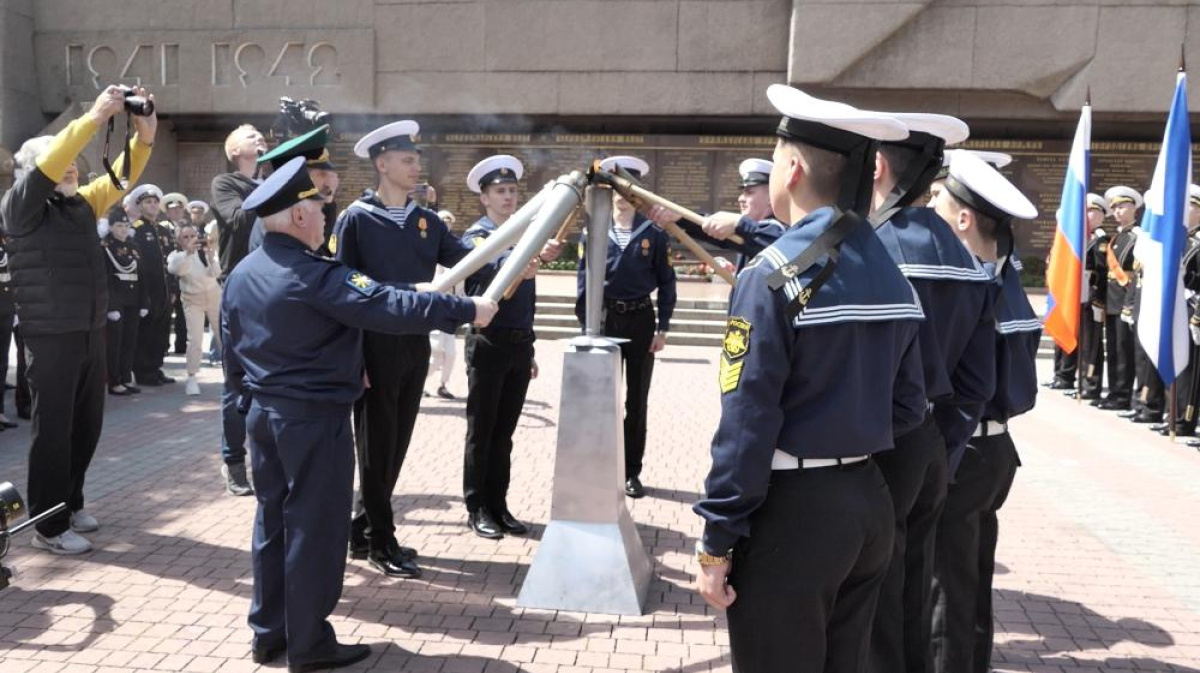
(1149, 401)
(757, 225)
(980, 204)
(637, 264)
(1089, 357)
(387, 235)
(311, 146)
(957, 345)
(292, 324)
(500, 358)
(1187, 387)
(127, 303)
(154, 242)
(996, 159)
(820, 369)
(1119, 336)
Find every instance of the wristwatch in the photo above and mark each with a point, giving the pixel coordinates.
(706, 559)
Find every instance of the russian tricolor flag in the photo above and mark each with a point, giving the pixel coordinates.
(1162, 323)
(1064, 275)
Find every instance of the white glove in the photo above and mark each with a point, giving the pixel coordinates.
(1097, 314)
(114, 315)
(142, 313)
(1195, 330)
(1127, 318)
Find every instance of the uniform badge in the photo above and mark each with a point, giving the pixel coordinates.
(422, 227)
(735, 347)
(333, 243)
(361, 282)
(789, 270)
(645, 247)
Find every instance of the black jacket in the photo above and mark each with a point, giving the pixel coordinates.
(125, 291)
(58, 268)
(233, 224)
(154, 243)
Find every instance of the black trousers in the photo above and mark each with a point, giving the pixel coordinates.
(498, 373)
(383, 421)
(1187, 393)
(1151, 394)
(808, 577)
(303, 464)
(7, 311)
(22, 396)
(153, 334)
(1065, 365)
(1091, 350)
(122, 343)
(1119, 339)
(638, 327)
(916, 476)
(966, 556)
(66, 379)
(179, 324)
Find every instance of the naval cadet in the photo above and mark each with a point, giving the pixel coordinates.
(820, 370)
(1187, 385)
(500, 358)
(1090, 353)
(154, 241)
(388, 235)
(1119, 335)
(637, 264)
(313, 146)
(957, 345)
(980, 204)
(292, 324)
(1149, 401)
(128, 302)
(756, 224)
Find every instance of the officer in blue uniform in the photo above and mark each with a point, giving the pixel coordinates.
(820, 369)
(292, 324)
(1119, 335)
(757, 227)
(313, 147)
(637, 265)
(980, 205)
(958, 359)
(500, 358)
(387, 235)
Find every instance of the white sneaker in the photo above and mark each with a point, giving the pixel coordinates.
(67, 544)
(192, 387)
(82, 522)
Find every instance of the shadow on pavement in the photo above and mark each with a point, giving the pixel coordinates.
(36, 605)
(1050, 631)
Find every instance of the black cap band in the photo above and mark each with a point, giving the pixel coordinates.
(755, 178)
(497, 177)
(975, 201)
(400, 143)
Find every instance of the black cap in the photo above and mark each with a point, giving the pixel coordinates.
(286, 187)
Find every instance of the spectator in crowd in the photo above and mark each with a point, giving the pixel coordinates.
(59, 282)
(200, 293)
(8, 313)
(127, 304)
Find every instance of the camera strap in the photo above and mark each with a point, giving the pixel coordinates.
(122, 182)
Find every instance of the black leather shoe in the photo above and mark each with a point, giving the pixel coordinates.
(634, 489)
(265, 654)
(1090, 396)
(1161, 428)
(1127, 414)
(1113, 405)
(394, 564)
(164, 379)
(509, 523)
(150, 380)
(482, 524)
(1098, 402)
(133, 390)
(1194, 443)
(1146, 417)
(343, 655)
(1060, 385)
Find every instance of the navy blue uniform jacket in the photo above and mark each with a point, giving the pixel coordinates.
(636, 271)
(366, 237)
(840, 380)
(292, 321)
(516, 312)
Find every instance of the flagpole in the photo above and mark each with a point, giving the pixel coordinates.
(1172, 411)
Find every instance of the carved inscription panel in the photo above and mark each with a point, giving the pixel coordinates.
(207, 71)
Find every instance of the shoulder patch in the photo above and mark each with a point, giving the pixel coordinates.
(737, 337)
(361, 282)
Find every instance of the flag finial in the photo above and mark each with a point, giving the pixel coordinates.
(1087, 100)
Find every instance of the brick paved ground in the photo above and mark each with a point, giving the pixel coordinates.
(1098, 556)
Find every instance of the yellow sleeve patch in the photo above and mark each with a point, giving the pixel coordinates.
(731, 374)
(333, 243)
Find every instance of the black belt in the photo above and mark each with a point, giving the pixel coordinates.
(628, 305)
(506, 335)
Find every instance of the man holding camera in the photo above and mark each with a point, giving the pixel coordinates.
(59, 276)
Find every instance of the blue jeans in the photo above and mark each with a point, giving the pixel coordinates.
(233, 439)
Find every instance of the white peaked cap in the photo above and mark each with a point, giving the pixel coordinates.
(988, 186)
